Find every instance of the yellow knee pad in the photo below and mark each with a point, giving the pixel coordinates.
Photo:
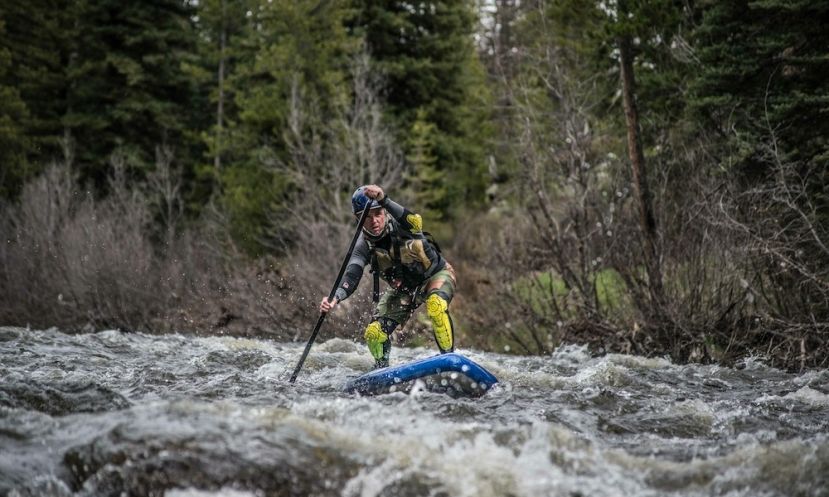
(436, 308)
(375, 338)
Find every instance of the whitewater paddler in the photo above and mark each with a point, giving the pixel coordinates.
(393, 243)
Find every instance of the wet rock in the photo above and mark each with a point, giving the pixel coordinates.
(680, 425)
(43, 486)
(241, 359)
(60, 398)
(8, 334)
(133, 459)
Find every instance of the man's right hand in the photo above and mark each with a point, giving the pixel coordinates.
(375, 192)
(326, 305)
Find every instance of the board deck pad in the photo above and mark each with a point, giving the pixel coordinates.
(453, 374)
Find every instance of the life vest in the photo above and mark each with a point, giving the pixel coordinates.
(407, 258)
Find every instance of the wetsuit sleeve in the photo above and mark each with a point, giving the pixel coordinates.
(408, 220)
(354, 270)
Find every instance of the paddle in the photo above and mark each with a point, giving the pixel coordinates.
(333, 291)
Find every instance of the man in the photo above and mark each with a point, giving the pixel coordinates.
(392, 241)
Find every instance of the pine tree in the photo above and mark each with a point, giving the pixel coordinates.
(299, 46)
(291, 54)
(621, 48)
(764, 67)
(37, 45)
(222, 25)
(643, 20)
(425, 51)
(426, 183)
(127, 86)
(13, 142)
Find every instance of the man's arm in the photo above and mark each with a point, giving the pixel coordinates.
(351, 277)
(409, 220)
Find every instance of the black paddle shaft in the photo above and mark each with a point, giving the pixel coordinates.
(331, 295)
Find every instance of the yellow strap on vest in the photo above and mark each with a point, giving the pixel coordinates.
(416, 222)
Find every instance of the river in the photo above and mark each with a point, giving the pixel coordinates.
(112, 414)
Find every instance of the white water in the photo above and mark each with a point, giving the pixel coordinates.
(112, 413)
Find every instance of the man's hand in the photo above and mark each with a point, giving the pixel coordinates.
(375, 192)
(326, 305)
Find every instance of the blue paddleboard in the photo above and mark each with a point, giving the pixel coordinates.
(452, 373)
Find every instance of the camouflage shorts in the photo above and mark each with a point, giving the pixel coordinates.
(399, 305)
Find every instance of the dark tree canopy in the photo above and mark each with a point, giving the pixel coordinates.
(763, 70)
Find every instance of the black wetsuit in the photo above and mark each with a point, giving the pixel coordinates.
(405, 257)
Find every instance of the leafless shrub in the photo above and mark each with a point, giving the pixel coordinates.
(330, 156)
(74, 257)
(74, 261)
(780, 253)
(568, 223)
(30, 252)
(164, 184)
(702, 285)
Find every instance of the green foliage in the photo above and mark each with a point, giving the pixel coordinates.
(247, 196)
(576, 30)
(587, 38)
(13, 141)
(302, 52)
(291, 61)
(428, 186)
(537, 291)
(126, 85)
(35, 43)
(763, 70)
(426, 54)
(222, 27)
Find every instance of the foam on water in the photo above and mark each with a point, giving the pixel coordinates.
(474, 464)
(223, 492)
(809, 396)
(638, 362)
(215, 416)
(603, 373)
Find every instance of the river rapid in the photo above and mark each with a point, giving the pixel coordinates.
(115, 414)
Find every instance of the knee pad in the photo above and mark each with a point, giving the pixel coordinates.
(378, 343)
(436, 308)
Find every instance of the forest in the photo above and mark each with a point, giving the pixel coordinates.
(641, 176)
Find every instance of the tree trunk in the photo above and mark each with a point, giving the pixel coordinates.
(217, 158)
(647, 220)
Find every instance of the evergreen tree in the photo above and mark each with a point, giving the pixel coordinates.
(36, 43)
(764, 66)
(300, 46)
(127, 86)
(426, 183)
(13, 142)
(293, 60)
(222, 25)
(586, 36)
(426, 53)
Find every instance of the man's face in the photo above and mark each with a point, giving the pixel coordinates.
(375, 221)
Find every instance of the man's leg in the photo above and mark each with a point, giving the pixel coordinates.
(393, 310)
(439, 292)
